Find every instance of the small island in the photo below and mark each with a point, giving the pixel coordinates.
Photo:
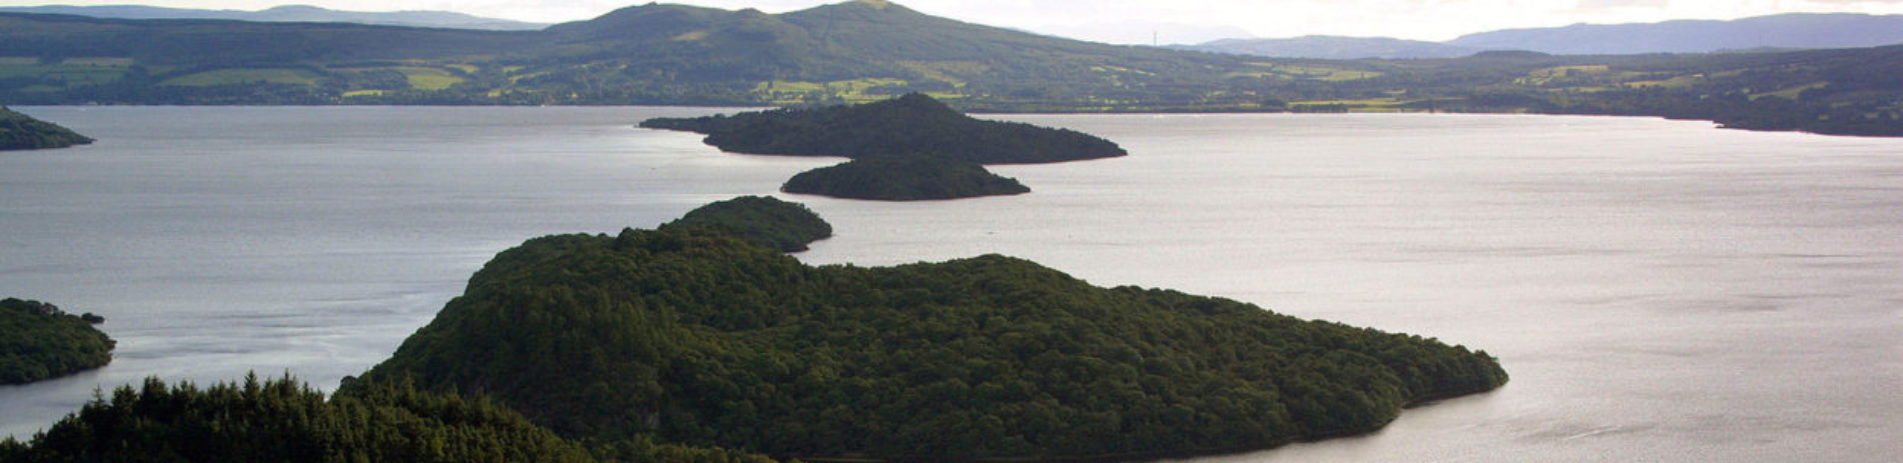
(907, 125)
(689, 335)
(911, 178)
(909, 148)
(23, 132)
(767, 221)
(39, 341)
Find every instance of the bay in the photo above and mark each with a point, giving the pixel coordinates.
(1659, 290)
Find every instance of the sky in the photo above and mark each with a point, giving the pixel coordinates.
(1158, 21)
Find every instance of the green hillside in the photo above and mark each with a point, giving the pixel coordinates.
(686, 336)
(869, 50)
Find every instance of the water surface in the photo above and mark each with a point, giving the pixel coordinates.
(1659, 291)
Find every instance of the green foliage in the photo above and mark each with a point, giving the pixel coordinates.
(908, 178)
(688, 336)
(908, 125)
(282, 420)
(22, 132)
(766, 221)
(38, 341)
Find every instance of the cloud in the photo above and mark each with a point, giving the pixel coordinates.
(1594, 5)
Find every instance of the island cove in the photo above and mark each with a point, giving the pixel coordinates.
(908, 148)
(698, 343)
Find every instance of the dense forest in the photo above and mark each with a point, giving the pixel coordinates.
(766, 221)
(909, 178)
(23, 132)
(282, 420)
(40, 341)
(688, 335)
(868, 50)
(912, 124)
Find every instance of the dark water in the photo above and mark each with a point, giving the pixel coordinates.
(1660, 291)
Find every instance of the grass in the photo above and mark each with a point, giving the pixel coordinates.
(244, 76)
(1790, 93)
(851, 91)
(425, 78)
(1305, 72)
(1675, 82)
(69, 74)
(100, 62)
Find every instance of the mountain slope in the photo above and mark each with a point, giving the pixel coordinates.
(1779, 31)
(870, 50)
(288, 13)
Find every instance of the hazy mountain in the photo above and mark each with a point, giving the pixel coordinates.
(288, 13)
(1780, 31)
(1333, 47)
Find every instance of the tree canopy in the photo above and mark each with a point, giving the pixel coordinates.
(23, 132)
(770, 222)
(688, 335)
(283, 420)
(909, 178)
(40, 341)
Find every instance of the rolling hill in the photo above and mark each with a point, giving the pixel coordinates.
(868, 50)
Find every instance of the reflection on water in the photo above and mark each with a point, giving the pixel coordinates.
(1660, 291)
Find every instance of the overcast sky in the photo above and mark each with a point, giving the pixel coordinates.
(1167, 21)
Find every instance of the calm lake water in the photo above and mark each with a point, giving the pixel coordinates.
(1660, 291)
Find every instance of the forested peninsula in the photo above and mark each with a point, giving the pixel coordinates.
(690, 344)
(911, 178)
(39, 341)
(23, 132)
(910, 125)
(689, 335)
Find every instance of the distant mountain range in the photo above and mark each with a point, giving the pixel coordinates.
(1333, 47)
(1781, 32)
(867, 50)
(289, 13)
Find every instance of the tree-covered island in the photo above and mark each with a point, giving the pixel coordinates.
(904, 149)
(693, 345)
(23, 132)
(911, 178)
(688, 335)
(39, 341)
(766, 221)
(913, 124)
